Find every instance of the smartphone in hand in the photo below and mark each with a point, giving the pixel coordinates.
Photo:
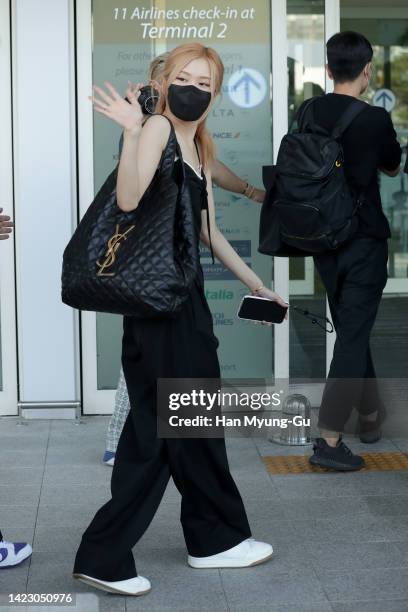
(254, 308)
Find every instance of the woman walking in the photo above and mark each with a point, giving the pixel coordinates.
(213, 517)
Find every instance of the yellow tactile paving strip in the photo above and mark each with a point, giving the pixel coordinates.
(375, 462)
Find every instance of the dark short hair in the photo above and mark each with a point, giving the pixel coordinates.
(347, 54)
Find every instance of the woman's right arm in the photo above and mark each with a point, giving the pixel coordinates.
(141, 153)
(142, 147)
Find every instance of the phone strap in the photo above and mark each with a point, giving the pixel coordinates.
(314, 318)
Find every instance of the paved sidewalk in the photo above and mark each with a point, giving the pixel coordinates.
(340, 540)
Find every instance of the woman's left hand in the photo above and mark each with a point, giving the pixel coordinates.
(271, 295)
(259, 195)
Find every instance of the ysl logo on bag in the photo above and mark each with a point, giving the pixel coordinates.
(110, 255)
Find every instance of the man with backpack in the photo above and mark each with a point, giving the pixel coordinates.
(323, 200)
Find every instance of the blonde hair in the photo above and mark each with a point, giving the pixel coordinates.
(175, 61)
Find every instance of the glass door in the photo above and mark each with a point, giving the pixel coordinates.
(386, 27)
(8, 352)
(306, 78)
(117, 44)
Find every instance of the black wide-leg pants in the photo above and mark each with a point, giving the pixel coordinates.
(354, 277)
(213, 517)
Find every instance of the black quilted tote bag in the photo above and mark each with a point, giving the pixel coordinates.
(140, 263)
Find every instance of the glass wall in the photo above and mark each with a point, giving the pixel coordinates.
(386, 26)
(125, 40)
(306, 78)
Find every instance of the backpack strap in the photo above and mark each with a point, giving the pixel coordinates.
(306, 116)
(346, 118)
(351, 112)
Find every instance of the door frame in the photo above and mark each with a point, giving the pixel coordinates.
(9, 393)
(280, 127)
(94, 401)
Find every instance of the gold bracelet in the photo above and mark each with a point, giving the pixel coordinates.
(249, 191)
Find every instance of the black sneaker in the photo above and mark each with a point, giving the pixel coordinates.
(338, 458)
(370, 431)
(371, 436)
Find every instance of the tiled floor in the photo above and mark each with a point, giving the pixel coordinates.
(340, 540)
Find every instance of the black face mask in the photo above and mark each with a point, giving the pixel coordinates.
(187, 102)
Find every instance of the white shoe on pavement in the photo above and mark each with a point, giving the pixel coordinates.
(246, 554)
(133, 586)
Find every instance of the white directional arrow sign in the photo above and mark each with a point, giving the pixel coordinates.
(385, 98)
(247, 87)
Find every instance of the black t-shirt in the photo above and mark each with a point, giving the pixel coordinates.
(369, 143)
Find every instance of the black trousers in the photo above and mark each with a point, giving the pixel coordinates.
(213, 517)
(354, 277)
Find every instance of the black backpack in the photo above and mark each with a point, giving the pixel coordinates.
(309, 206)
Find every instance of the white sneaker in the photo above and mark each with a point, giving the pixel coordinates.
(13, 553)
(246, 554)
(133, 586)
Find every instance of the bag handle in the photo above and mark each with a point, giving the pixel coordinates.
(306, 115)
(306, 119)
(172, 148)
